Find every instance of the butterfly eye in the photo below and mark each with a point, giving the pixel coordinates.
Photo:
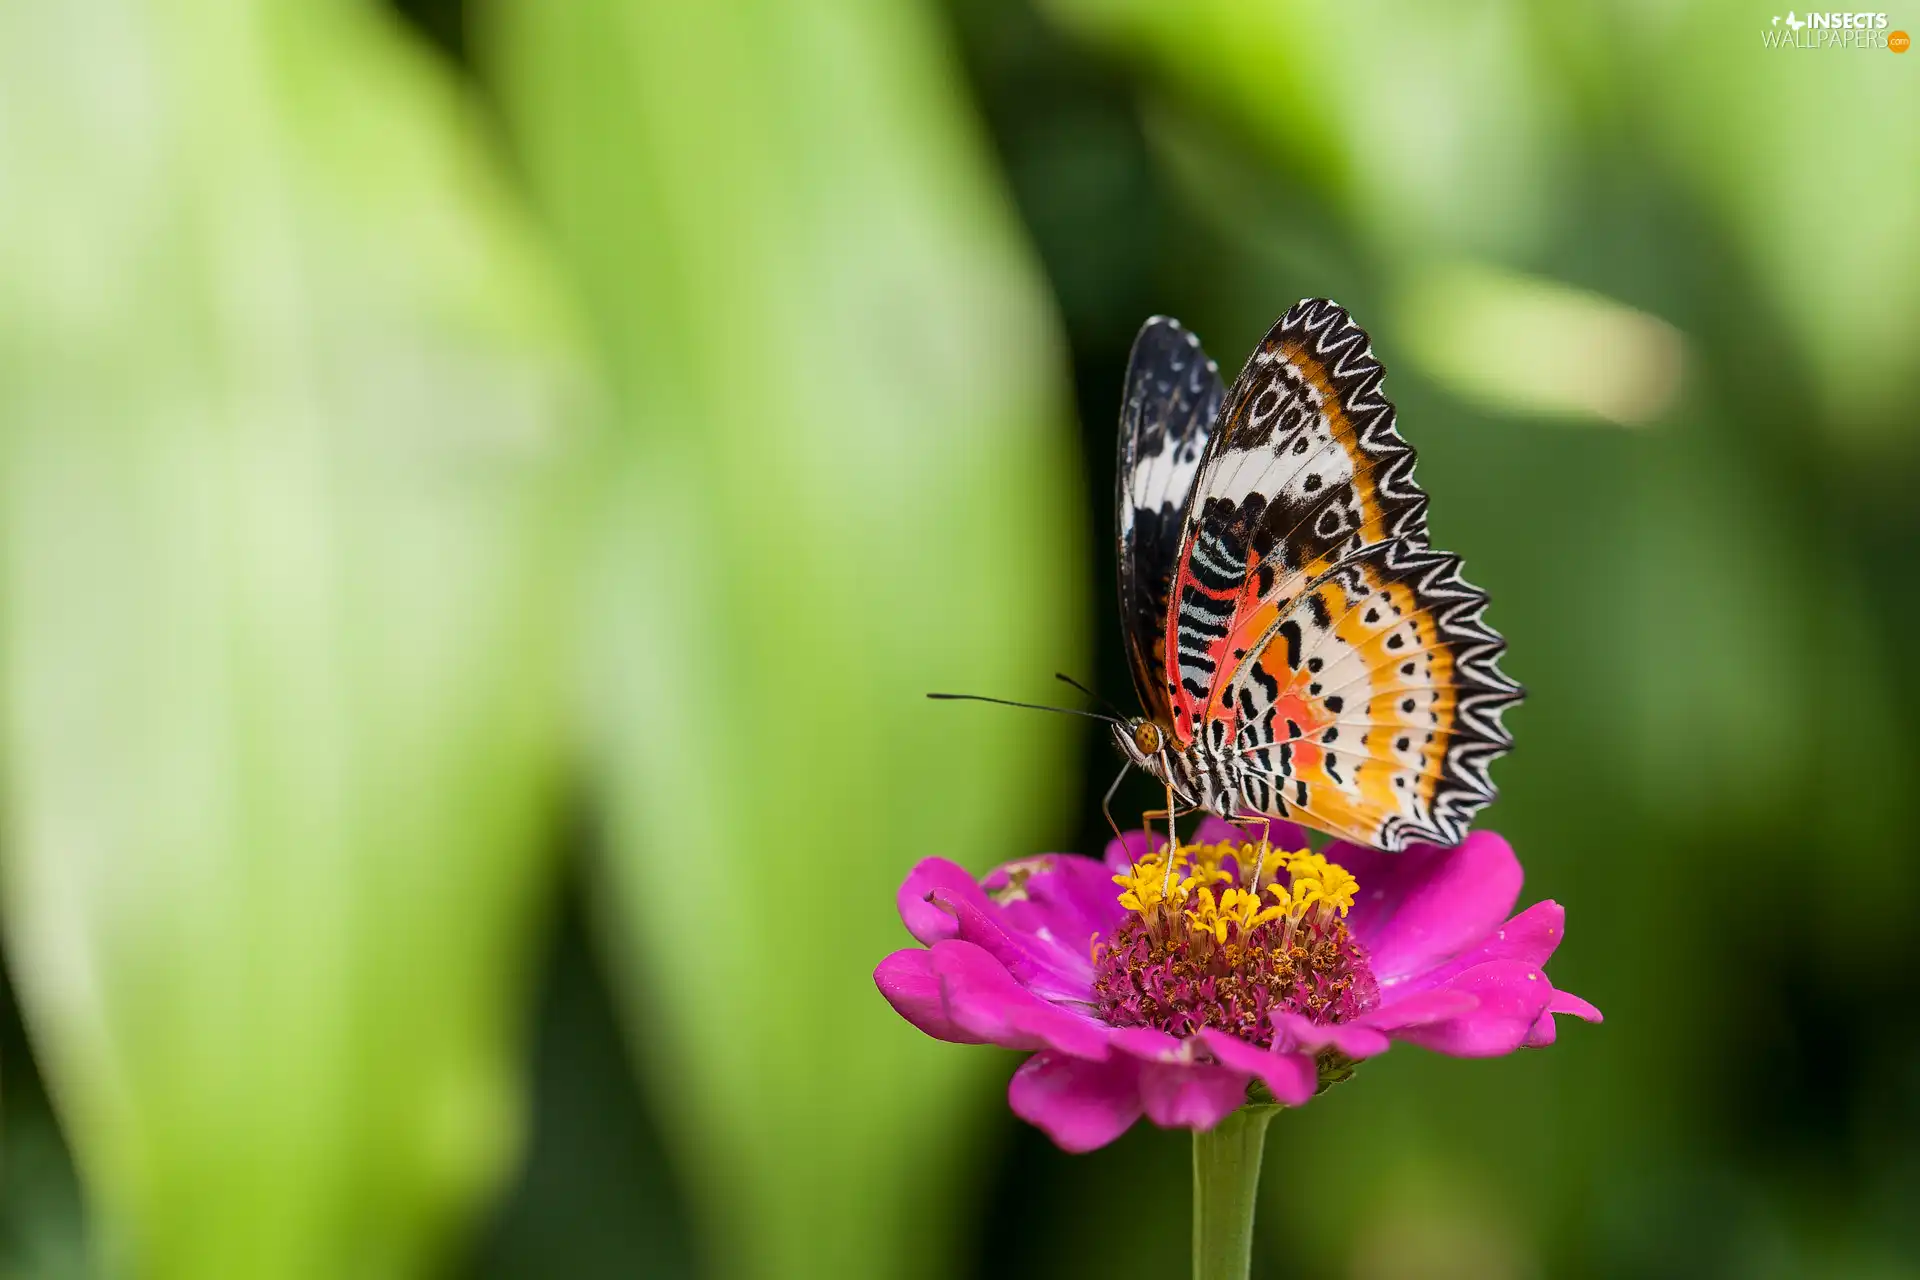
(1146, 736)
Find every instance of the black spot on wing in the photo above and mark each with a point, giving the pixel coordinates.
(1290, 633)
(1267, 683)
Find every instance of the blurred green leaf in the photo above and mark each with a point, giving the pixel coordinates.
(1433, 128)
(842, 484)
(1529, 344)
(1461, 130)
(282, 437)
(1804, 155)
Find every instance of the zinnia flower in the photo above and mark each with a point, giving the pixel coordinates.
(1170, 991)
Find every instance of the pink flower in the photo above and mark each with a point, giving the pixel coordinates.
(1168, 992)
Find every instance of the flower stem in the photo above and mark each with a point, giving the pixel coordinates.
(1226, 1178)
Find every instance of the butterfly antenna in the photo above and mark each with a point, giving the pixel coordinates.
(1029, 706)
(1112, 710)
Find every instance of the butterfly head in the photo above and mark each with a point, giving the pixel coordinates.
(1143, 741)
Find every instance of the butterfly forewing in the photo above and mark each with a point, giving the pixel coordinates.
(1305, 468)
(1173, 394)
(1303, 591)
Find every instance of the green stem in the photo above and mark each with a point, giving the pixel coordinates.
(1226, 1180)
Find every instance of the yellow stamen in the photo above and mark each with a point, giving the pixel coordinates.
(1337, 887)
(1306, 863)
(1206, 917)
(1328, 883)
(1150, 882)
(1171, 878)
(1246, 911)
(1306, 892)
(1235, 907)
(1207, 859)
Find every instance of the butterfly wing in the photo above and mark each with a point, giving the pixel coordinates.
(1173, 394)
(1304, 512)
(1371, 708)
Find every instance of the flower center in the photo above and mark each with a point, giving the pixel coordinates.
(1218, 940)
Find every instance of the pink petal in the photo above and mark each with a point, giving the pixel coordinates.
(1049, 969)
(1567, 1002)
(1131, 847)
(1421, 1009)
(1430, 905)
(925, 920)
(982, 999)
(1544, 1031)
(1190, 1097)
(1179, 1088)
(1150, 1044)
(1290, 1077)
(1061, 898)
(1531, 936)
(1511, 995)
(1355, 1039)
(906, 978)
(1372, 869)
(1081, 1105)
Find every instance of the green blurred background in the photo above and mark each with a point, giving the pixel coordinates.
(483, 485)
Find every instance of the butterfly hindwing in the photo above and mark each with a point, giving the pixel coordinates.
(1304, 519)
(1173, 394)
(1371, 709)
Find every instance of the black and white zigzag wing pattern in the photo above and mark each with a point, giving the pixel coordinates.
(1173, 394)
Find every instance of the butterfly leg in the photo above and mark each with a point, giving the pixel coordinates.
(1106, 802)
(1173, 840)
(1266, 847)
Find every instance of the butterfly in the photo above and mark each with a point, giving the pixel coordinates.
(1299, 649)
